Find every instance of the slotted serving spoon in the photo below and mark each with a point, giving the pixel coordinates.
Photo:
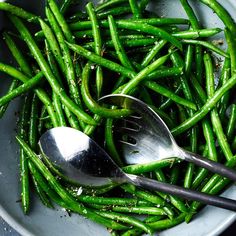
(83, 161)
(152, 140)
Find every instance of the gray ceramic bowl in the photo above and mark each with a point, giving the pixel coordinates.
(45, 222)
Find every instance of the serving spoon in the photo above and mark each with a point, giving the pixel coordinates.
(83, 161)
(152, 140)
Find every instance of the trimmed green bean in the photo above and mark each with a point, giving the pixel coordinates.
(98, 45)
(24, 170)
(109, 142)
(14, 84)
(207, 45)
(42, 195)
(82, 25)
(126, 219)
(167, 93)
(91, 104)
(142, 168)
(61, 20)
(232, 123)
(131, 209)
(118, 45)
(223, 15)
(32, 83)
(17, 54)
(4, 6)
(135, 9)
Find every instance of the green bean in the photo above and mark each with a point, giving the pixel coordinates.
(24, 170)
(214, 114)
(67, 198)
(21, 89)
(195, 25)
(135, 9)
(42, 117)
(189, 60)
(109, 4)
(40, 92)
(208, 133)
(98, 45)
(48, 73)
(234, 144)
(17, 54)
(154, 199)
(146, 28)
(89, 129)
(82, 25)
(207, 45)
(101, 61)
(42, 195)
(194, 34)
(177, 60)
(61, 20)
(208, 106)
(142, 168)
(166, 92)
(118, 45)
(128, 202)
(126, 219)
(55, 97)
(117, 11)
(175, 201)
(53, 44)
(65, 5)
(225, 75)
(131, 209)
(153, 52)
(4, 6)
(165, 224)
(231, 49)
(33, 138)
(169, 101)
(143, 4)
(192, 17)
(174, 174)
(14, 84)
(72, 120)
(69, 69)
(143, 73)
(91, 104)
(223, 14)
(232, 123)
(109, 142)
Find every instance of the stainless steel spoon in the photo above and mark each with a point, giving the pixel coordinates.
(83, 161)
(153, 140)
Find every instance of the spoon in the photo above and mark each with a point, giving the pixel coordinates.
(83, 161)
(152, 140)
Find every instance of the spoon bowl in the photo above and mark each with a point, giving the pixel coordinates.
(79, 157)
(152, 140)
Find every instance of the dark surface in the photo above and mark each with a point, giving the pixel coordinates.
(6, 230)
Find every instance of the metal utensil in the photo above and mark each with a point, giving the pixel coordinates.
(152, 140)
(84, 161)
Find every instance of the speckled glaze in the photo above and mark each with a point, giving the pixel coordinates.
(46, 222)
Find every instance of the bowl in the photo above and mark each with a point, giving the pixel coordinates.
(56, 222)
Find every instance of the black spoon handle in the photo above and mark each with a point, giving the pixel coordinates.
(188, 194)
(212, 166)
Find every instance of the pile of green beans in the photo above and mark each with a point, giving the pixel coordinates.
(120, 46)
